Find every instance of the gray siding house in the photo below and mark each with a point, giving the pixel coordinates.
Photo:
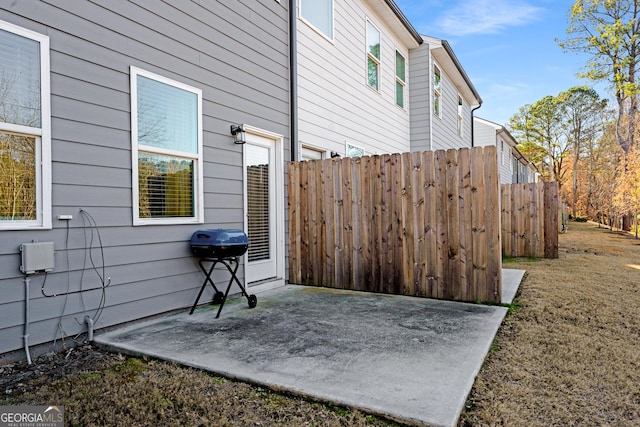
(442, 98)
(115, 146)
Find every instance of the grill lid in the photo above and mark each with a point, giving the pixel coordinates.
(219, 243)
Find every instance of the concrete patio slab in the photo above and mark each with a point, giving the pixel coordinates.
(411, 359)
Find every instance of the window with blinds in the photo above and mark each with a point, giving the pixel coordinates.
(259, 213)
(167, 150)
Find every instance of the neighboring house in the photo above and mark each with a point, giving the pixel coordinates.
(523, 170)
(442, 98)
(115, 146)
(512, 165)
(353, 61)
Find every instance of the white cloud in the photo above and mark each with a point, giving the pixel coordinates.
(487, 16)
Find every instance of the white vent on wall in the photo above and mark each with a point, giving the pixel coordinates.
(37, 257)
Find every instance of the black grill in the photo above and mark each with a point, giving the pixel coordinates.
(219, 243)
(220, 247)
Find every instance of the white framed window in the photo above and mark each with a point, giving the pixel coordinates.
(354, 150)
(166, 133)
(502, 152)
(319, 15)
(25, 129)
(460, 116)
(401, 80)
(373, 56)
(308, 152)
(437, 91)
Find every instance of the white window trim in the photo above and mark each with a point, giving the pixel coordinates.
(41, 134)
(403, 83)
(437, 93)
(376, 60)
(198, 191)
(316, 29)
(308, 147)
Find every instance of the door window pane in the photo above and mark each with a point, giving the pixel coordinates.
(258, 190)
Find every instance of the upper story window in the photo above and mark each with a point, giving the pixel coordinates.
(460, 116)
(373, 56)
(400, 79)
(25, 129)
(166, 127)
(437, 91)
(502, 153)
(318, 13)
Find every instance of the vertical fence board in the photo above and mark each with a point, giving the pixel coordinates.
(347, 228)
(551, 206)
(453, 227)
(430, 225)
(441, 223)
(328, 222)
(367, 225)
(492, 227)
(357, 219)
(408, 231)
(466, 238)
(479, 256)
(419, 263)
(305, 178)
(377, 244)
(293, 184)
(396, 285)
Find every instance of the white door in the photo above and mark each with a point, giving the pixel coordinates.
(261, 201)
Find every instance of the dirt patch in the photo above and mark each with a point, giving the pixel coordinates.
(570, 354)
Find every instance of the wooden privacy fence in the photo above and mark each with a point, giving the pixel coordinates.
(423, 224)
(530, 220)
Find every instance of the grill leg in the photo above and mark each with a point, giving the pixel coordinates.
(251, 299)
(233, 276)
(204, 284)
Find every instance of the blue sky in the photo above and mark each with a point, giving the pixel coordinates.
(507, 47)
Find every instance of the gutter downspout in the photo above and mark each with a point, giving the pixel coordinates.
(293, 79)
(473, 141)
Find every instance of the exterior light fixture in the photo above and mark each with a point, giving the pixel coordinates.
(239, 135)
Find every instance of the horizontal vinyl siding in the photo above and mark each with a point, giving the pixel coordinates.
(244, 79)
(334, 102)
(445, 128)
(420, 101)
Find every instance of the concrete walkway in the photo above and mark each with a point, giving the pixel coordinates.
(411, 359)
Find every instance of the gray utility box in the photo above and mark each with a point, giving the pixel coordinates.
(37, 257)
